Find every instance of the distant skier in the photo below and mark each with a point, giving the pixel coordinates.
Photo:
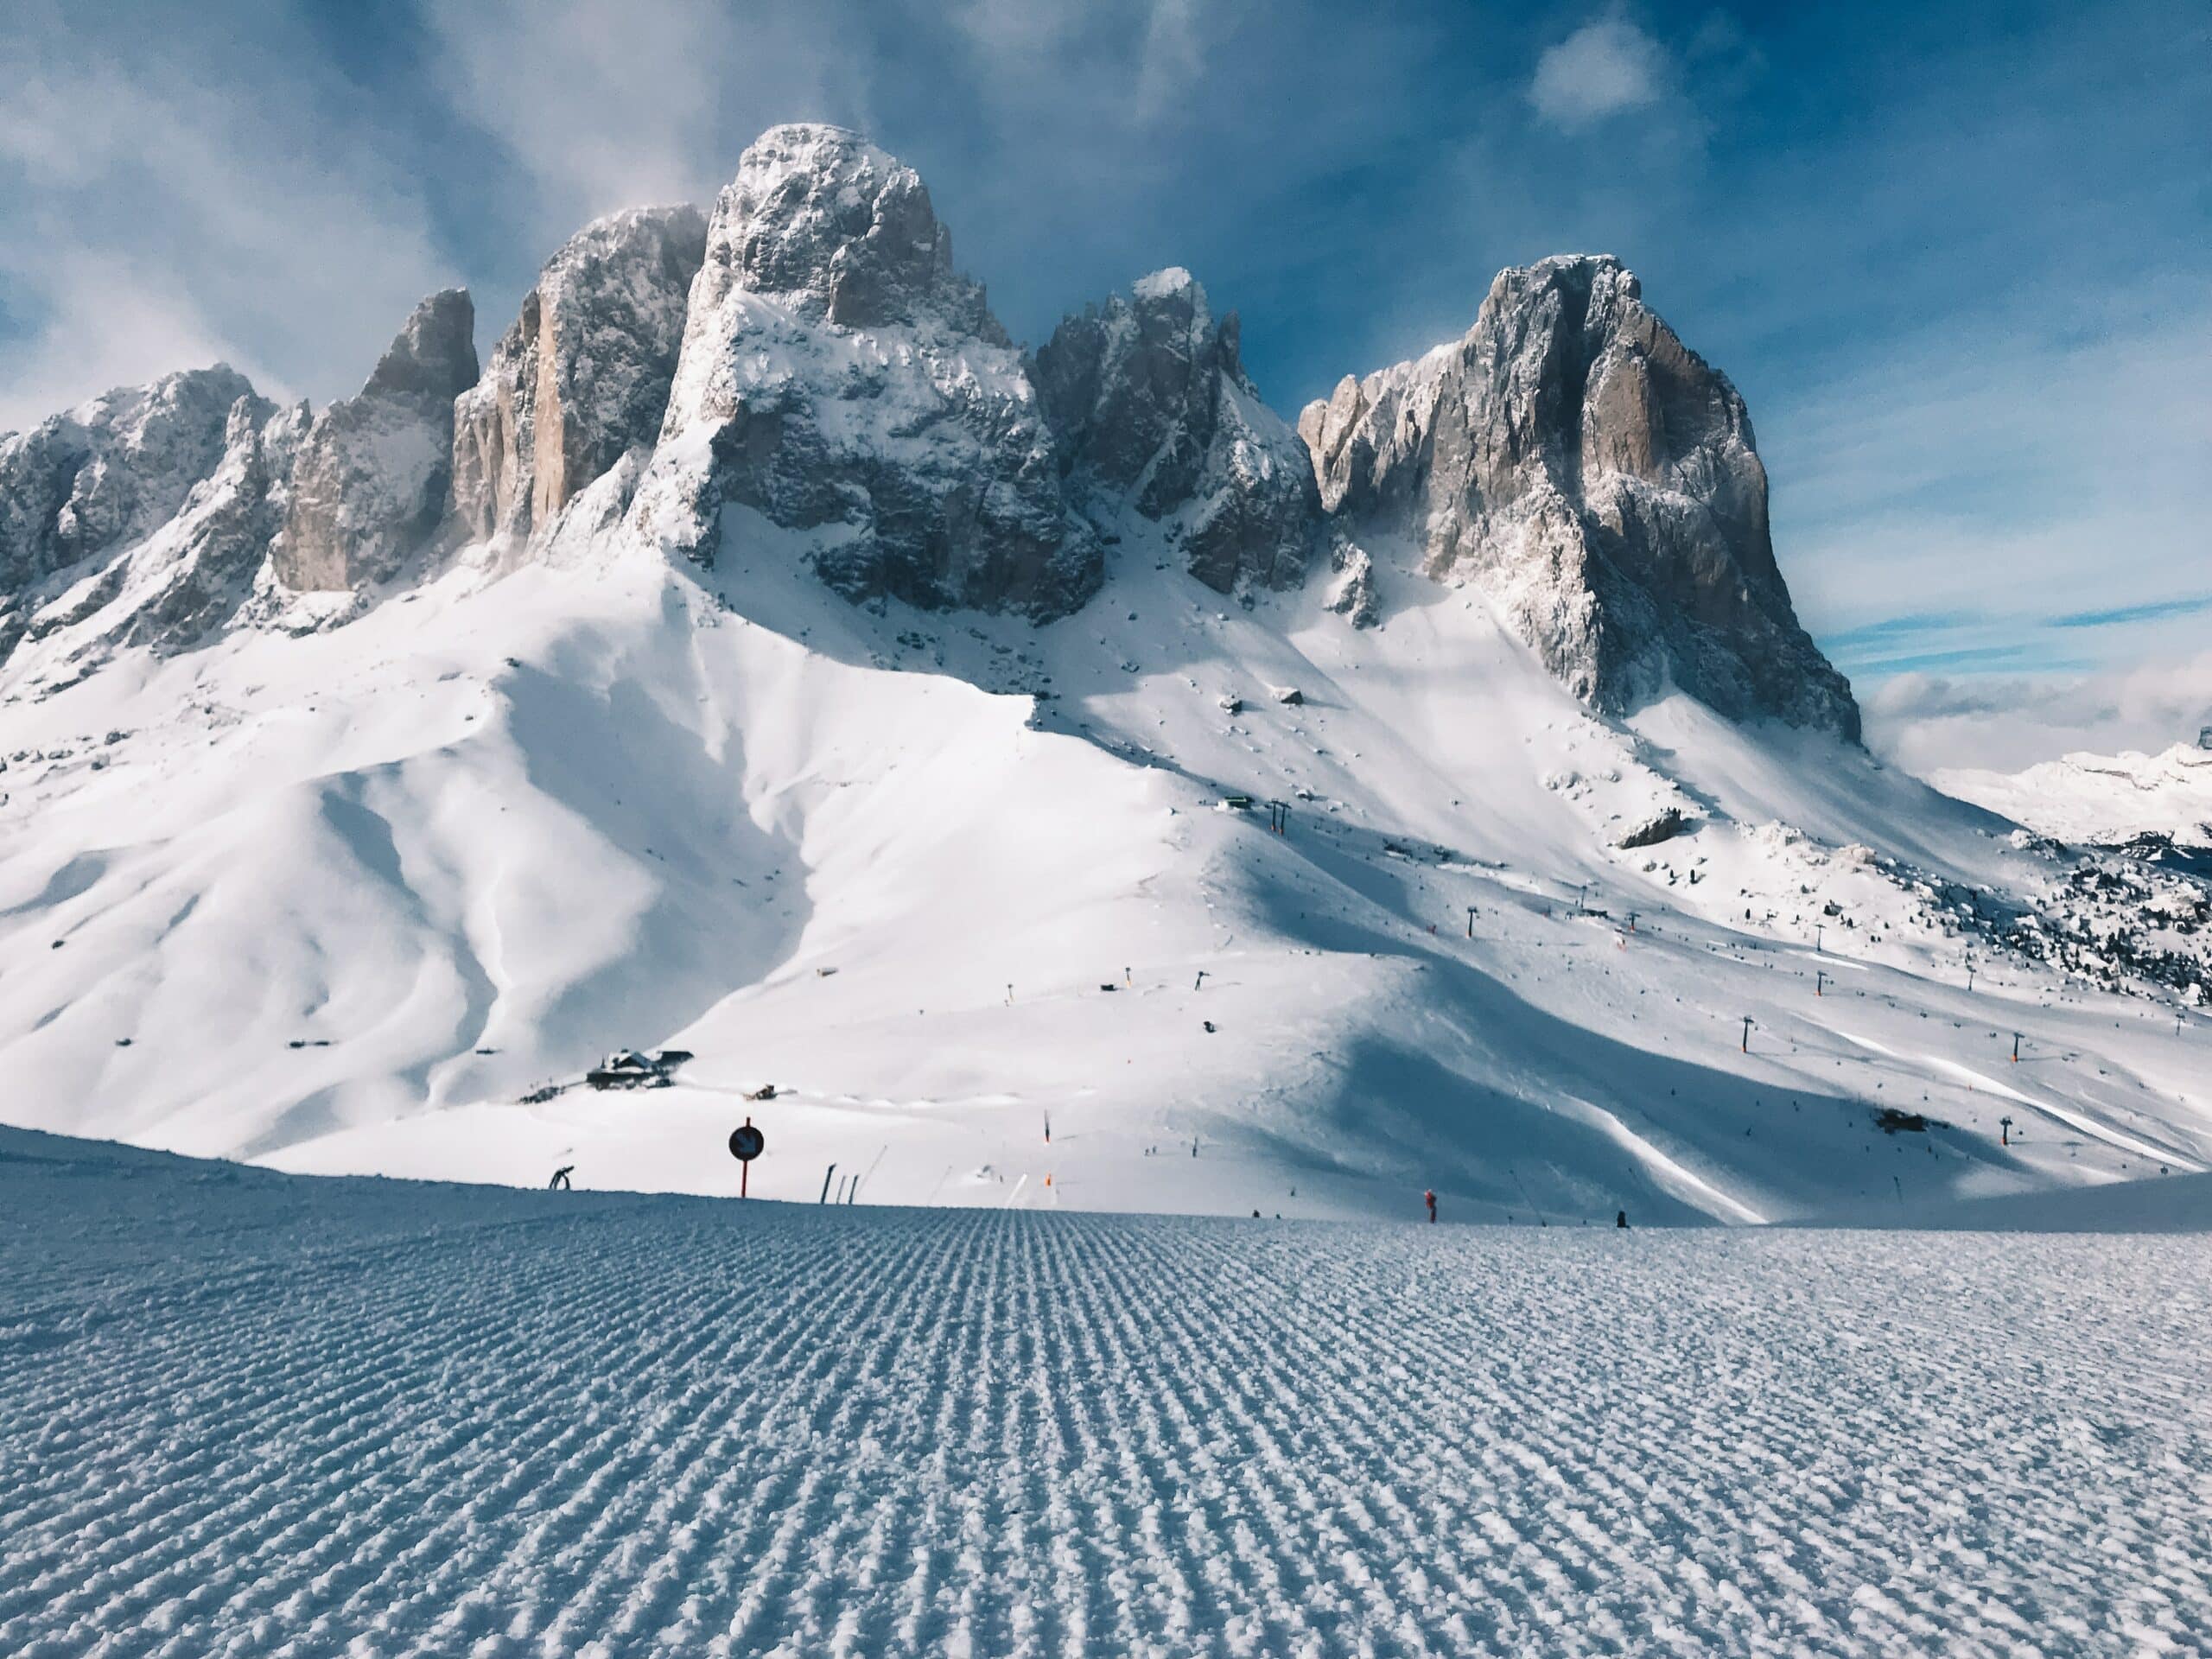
(1431, 1195)
(1620, 1217)
(560, 1181)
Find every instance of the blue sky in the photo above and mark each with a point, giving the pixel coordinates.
(1955, 256)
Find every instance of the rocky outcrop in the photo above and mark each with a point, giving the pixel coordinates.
(170, 590)
(1150, 408)
(1663, 825)
(1598, 480)
(1352, 595)
(197, 571)
(105, 473)
(841, 380)
(841, 232)
(370, 483)
(582, 376)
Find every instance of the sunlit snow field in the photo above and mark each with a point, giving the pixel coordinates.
(247, 1413)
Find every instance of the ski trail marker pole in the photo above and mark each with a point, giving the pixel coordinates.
(746, 1144)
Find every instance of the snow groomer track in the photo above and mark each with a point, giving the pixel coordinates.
(247, 1414)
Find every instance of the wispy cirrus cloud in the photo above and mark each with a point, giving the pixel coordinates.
(2125, 615)
(1979, 498)
(167, 200)
(599, 104)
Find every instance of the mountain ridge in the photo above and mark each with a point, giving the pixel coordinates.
(984, 482)
(1009, 761)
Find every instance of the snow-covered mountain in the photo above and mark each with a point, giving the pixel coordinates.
(2104, 800)
(1054, 778)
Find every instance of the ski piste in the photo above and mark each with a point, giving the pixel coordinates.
(244, 1411)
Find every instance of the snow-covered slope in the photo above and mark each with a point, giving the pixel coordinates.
(245, 1414)
(340, 901)
(366, 879)
(2102, 798)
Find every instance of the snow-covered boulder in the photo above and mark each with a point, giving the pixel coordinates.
(370, 483)
(1150, 406)
(1598, 480)
(1663, 825)
(839, 378)
(581, 378)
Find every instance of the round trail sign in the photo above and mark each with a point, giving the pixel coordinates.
(746, 1143)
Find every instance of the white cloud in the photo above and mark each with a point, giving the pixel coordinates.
(1927, 722)
(106, 325)
(1602, 69)
(170, 206)
(1136, 60)
(609, 103)
(1174, 55)
(1994, 471)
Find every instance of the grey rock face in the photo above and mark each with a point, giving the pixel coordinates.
(841, 380)
(1663, 825)
(1352, 595)
(581, 378)
(1598, 480)
(171, 590)
(842, 231)
(369, 482)
(200, 567)
(1149, 404)
(107, 473)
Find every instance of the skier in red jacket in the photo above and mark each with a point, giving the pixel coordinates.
(1431, 1195)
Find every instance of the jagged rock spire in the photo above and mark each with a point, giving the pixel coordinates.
(1149, 404)
(109, 470)
(821, 216)
(1598, 480)
(840, 379)
(369, 482)
(582, 376)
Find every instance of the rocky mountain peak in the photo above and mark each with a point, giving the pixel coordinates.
(370, 482)
(841, 381)
(582, 376)
(821, 216)
(433, 355)
(1598, 480)
(809, 354)
(108, 471)
(1150, 406)
(79, 491)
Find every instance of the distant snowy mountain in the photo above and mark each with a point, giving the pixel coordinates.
(1015, 779)
(2103, 799)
